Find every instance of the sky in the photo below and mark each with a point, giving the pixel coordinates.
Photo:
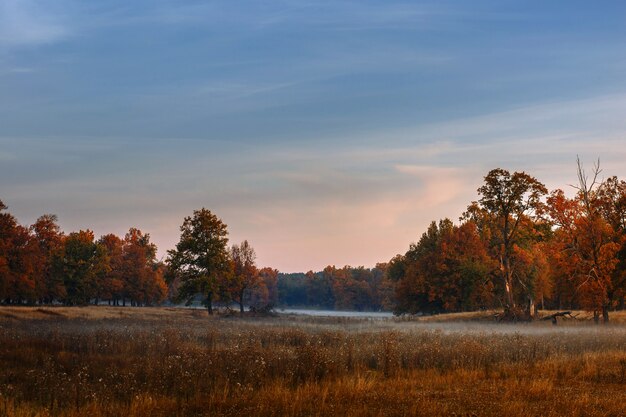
(323, 132)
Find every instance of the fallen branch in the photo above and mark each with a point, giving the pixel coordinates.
(563, 314)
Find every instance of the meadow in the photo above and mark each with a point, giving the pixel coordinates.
(102, 361)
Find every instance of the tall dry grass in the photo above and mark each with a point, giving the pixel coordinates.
(77, 362)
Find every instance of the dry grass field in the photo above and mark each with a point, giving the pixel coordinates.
(101, 361)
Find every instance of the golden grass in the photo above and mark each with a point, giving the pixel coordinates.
(99, 312)
(174, 362)
(488, 315)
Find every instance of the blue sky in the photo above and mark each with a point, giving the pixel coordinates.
(324, 132)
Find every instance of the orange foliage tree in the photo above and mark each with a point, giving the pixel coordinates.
(245, 274)
(447, 270)
(49, 238)
(18, 261)
(113, 288)
(589, 239)
(82, 265)
(264, 295)
(509, 207)
(144, 281)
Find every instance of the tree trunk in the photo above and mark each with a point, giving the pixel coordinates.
(209, 303)
(531, 308)
(605, 314)
(509, 292)
(508, 282)
(241, 302)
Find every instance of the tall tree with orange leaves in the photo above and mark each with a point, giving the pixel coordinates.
(114, 288)
(142, 278)
(49, 238)
(18, 261)
(589, 243)
(447, 270)
(245, 274)
(508, 201)
(82, 264)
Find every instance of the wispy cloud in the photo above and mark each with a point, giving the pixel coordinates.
(16, 71)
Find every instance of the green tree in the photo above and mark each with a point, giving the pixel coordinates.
(200, 259)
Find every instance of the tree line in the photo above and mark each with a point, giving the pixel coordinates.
(345, 288)
(40, 264)
(520, 246)
(517, 247)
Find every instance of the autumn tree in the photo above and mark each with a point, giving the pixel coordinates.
(49, 238)
(156, 289)
(264, 294)
(269, 277)
(590, 239)
(447, 270)
(245, 273)
(611, 199)
(7, 224)
(143, 280)
(383, 287)
(114, 288)
(536, 267)
(507, 203)
(18, 261)
(464, 271)
(135, 274)
(200, 258)
(348, 293)
(82, 264)
(357, 288)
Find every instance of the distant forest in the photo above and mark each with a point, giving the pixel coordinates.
(346, 288)
(518, 247)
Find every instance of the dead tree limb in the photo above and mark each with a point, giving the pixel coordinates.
(554, 316)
